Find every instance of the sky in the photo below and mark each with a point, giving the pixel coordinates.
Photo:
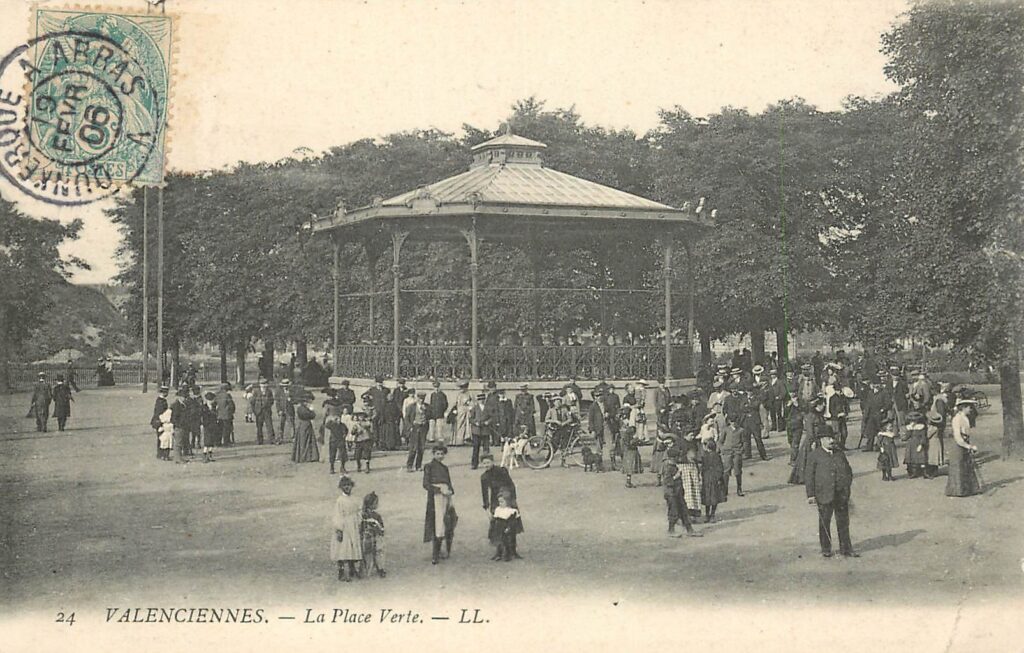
(255, 80)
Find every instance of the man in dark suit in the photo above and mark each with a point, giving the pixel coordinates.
(898, 391)
(523, 413)
(595, 421)
(41, 398)
(417, 417)
(378, 395)
(346, 396)
(828, 479)
(492, 416)
(437, 400)
(478, 429)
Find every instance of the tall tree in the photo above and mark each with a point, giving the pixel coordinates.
(30, 266)
(958, 205)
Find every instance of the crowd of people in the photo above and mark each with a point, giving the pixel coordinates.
(700, 441)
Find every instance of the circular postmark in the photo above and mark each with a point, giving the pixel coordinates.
(78, 117)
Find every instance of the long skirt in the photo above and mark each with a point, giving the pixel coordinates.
(936, 445)
(631, 463)
(392, 440)
(304, 449)
(712, 483)
(440, 519)
(962, 481)
(796, 475)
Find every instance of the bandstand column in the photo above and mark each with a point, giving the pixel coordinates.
(691, 291)
(397, 238)
(474, 274)
(668, 308)
(335, 277)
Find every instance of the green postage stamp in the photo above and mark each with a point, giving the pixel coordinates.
(93, 95)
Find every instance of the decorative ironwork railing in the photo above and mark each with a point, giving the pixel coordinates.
(508, 363)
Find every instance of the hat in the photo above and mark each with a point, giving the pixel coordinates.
(285, 382)
(524, 386)
(708, 416)
(421, 394)
(209, 396)
(164, 388)
(806, 367)
(440, 446)
(734, 371)
(400, 381)
(894, 369)
(225, 386)
(42, 375)
(486, 456)
(436, 383)
(661, 380)
(966, 402)
(914, 416)
(346, 481)
(758, 369)
(344, 382)
(463, 384)
(262, 381)
(481, 395)
(491, 385)
(641, 382)
(378, 379)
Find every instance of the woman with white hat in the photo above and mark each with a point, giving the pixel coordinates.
(963, 480)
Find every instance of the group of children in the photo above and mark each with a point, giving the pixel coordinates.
(358, 544)
(193, 421)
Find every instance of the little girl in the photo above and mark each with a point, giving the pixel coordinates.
(166, 435)
(372, 531)
(504, 527)
(712, 480)
(250, 416)
(887, 457)
(346, 545)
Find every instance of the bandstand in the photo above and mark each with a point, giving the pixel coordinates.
(508, 195)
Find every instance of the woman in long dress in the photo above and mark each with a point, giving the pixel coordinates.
(393, 419)
(462, 407)
(813, 426)
(963, 480)
(346, 542)
(304, 449)
(937, 431)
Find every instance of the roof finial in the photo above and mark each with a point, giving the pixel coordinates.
(508, 128)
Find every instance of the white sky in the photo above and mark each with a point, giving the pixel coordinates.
(255, 80)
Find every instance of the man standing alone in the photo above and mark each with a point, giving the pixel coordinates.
(263, 409)
(828, 479)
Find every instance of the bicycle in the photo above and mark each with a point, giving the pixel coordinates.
(540, 450)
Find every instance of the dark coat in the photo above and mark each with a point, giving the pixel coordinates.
(62, 400)
(435, 472)
(595, 419)
(899, 394)
(491, 483)
(41, 398)
(828, 476)
(225, 406)
(347, 397)
(438, 402)
(523, 413)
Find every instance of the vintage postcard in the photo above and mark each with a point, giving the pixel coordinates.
(519, 326)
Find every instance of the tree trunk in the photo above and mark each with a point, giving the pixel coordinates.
(757, 345)
(240, 351)
(706, 357)
(782, 347)
(268, 360)
(223, 362)
(301, 353)
(175, 362)
(1010, 396)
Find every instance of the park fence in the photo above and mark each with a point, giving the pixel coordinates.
(22, 376)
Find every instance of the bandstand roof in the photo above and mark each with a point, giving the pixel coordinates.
(508, 178)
